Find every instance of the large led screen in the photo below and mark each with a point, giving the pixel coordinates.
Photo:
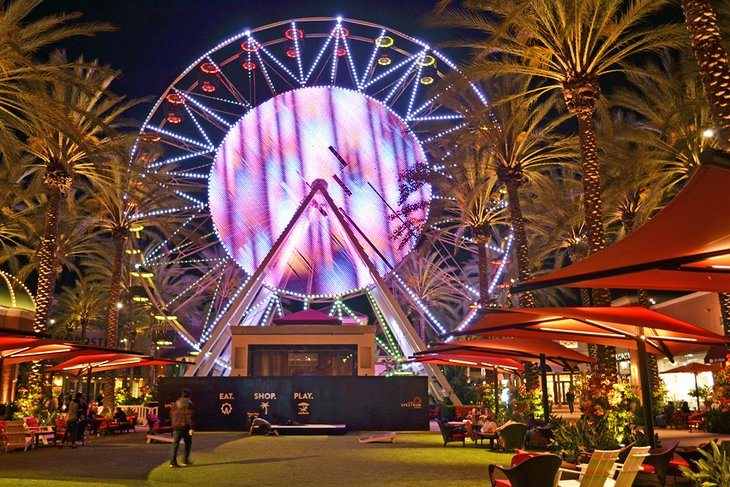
(265, 168)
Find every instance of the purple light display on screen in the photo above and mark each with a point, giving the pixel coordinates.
(267, 163)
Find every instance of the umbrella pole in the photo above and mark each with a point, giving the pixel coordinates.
(1, 377)
(496, 394)
(543, 380)
(645, 390)
(697, 392)
(88, 387)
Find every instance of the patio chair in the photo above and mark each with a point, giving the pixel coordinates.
(629, 468)
(597, 471)
(527, 471)
(658, 462)
(449, 433)
(697, 421)
(689, 456)
(15, 438)
(512, 436)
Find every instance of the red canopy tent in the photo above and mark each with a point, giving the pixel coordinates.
(685, 247)
(633, 327)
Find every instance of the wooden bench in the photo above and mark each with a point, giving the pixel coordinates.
(310, 429)
(384, 437)
(158, 437)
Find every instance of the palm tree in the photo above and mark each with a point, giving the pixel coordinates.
(24, 38)
(712, 60)
(573, 45)
(119, 202)
(63, 156)
(520, 138)
(430, 275)
(80, 306)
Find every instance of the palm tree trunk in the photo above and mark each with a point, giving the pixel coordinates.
(483, 273)
(712, 60)
(518, 227)
(47, 261)
(46, 270)
(592, 203)
(113, 315)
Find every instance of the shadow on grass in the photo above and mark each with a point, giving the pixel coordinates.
(252, 461)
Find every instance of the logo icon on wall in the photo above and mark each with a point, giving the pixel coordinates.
(415, 403)
(226, 408)
(265, 407)
(303, 408)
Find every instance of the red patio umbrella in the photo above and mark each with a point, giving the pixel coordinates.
(694, 252)
(527, 349)
(110, 360)
(633, 327)
(487, 362)
(694, 368)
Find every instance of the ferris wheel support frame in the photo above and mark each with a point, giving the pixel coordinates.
(218, 346)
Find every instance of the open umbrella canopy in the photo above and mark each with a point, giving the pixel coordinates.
(455, 359)
(601, 325)
(526, 349)
(111, 361)
(15, 350)
(698, 261)
(717, 353)
(694, 368)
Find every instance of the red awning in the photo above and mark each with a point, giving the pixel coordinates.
(599, 325)
(685, 247)
(110, 361)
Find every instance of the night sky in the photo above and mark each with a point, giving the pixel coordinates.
(157, 39)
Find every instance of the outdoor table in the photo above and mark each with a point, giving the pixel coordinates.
(39, 432)
(488, 436)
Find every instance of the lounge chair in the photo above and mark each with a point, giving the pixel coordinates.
(658, 462)
(15, 438)
(597, 471)
(512, 436)
(527, 470)
(629, 468)
(449, 433)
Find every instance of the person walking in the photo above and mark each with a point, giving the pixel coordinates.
(72, 421)
(181, 413)
(570, 399)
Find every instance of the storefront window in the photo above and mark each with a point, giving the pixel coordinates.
(296, 360)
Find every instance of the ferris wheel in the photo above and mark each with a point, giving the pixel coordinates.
(284, 148)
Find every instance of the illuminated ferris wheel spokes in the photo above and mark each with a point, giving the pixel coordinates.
(387, 69)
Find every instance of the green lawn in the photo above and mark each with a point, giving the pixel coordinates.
(415, 459)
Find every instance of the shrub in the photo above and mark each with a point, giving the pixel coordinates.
(714, 469)
(574, 437)
(717, 421)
